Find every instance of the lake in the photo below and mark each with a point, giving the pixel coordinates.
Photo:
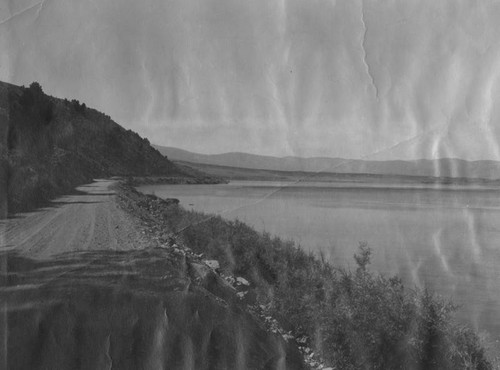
(444, 237)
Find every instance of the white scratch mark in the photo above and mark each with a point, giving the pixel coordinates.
(2, 22)
(365, 57)
(40, 8)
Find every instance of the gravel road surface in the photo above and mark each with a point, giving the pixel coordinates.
(88, 220)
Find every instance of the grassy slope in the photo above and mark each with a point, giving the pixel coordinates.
(352, 319)
(50, 145)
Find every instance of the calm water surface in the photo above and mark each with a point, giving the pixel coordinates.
(445, 238)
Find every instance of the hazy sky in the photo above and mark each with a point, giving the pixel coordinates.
(357, 79)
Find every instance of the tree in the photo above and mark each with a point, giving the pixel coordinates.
(36, 88)
(363, 258)
(77, 106)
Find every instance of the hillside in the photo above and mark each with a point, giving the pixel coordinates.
(50, 145)
(445, 167)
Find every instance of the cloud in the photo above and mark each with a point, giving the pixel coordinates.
(337, 78)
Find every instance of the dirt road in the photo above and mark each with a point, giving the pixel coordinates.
(89, 220)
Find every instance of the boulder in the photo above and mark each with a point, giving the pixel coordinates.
(211, 281)
(213, 264)
(242, 281)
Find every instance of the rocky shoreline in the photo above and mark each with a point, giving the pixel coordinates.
(227, 288)
(336, 319)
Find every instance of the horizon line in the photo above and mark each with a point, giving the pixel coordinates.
(328, 157)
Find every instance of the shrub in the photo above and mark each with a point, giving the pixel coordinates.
(39, 106)
(36, 88)
(77, 106)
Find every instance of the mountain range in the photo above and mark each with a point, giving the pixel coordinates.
(444, 167)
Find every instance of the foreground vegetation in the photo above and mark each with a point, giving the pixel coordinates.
(127, 310)
(352, 319)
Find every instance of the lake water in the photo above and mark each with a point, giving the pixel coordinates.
(442, 237)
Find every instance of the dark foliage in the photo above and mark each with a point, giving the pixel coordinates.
(36, 104)
(77, 106)
(111, 316)
(52, 145)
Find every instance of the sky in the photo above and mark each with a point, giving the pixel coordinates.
(378, 79)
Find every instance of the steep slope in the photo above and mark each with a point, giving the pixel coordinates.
(445, 167)
(50, 145)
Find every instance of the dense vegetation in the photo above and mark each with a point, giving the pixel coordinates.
(353, 319)
(50, 145)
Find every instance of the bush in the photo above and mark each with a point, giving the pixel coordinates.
(36, 88)
(77, 106)
(39, 106)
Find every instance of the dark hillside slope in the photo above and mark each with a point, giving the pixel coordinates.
(50, 145)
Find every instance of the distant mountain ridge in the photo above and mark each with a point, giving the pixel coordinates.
(445, 167)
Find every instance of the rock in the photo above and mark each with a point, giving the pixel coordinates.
(302, 340)
(242, 281)
(213, 264)
(241, 295)
(199, 272)
(229, 279)
(179, 251)
(287, 336)
(211, 281)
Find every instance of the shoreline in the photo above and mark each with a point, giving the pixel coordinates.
(256, 265)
